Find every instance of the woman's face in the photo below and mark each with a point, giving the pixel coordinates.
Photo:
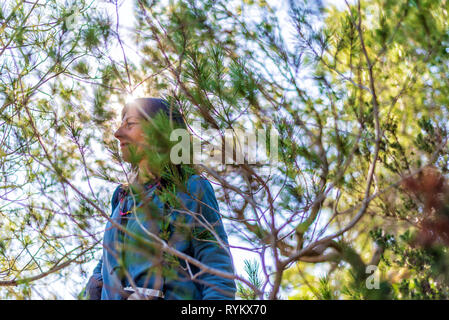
(130, 132)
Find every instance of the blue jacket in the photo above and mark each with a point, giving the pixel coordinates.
(182, 232)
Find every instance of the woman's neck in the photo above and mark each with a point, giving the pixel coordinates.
(145, 174)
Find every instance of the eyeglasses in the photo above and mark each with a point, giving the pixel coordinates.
(128, 124)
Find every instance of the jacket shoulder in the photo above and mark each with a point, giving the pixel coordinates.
(198, 185)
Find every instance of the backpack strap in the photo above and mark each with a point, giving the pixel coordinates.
(115, 197)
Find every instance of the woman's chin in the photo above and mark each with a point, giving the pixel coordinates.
(125, 157)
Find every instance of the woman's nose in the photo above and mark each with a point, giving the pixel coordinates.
(118, 133)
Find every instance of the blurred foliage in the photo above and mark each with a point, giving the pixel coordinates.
(400, 50)
(358, 94)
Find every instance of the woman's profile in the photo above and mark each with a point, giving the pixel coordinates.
(161, 202)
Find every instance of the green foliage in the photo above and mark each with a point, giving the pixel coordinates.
(427, 267)
(357, 93)
(252, 270)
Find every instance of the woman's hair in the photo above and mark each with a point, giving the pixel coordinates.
(149, 108)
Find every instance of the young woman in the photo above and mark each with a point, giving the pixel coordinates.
(175, 205)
